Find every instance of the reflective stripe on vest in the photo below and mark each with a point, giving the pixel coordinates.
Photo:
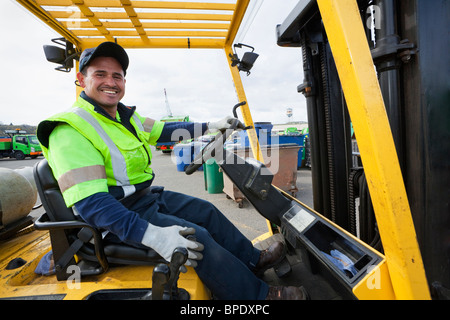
(79, 175)
(138, 122)
(117, 159)
(148, 125)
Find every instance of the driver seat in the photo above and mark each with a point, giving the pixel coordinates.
(70, 236)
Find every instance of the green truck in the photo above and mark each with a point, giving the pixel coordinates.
(18, 144)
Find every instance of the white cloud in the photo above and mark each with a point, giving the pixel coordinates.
(198, 82)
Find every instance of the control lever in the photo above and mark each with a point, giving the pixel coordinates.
(160, 277)
(179, 258)
(243, 103)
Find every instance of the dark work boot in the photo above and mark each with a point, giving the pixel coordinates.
(270, 257)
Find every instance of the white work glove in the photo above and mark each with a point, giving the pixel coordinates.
(164, 240)
(220, 125)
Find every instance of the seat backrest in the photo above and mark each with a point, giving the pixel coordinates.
(63, 239)
(50, 194)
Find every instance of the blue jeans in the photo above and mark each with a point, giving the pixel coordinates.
(228, 256)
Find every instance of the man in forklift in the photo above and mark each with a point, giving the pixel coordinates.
(99, 153)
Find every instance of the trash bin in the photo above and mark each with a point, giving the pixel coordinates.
(280, 159)
(183, 155)
(263, 132)
(213, 176)
(232, 192)
(298, 139)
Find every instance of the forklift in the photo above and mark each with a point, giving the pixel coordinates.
(379, 226)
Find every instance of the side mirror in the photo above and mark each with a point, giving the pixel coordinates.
(61, 55)
(248, 59)
(55, 54)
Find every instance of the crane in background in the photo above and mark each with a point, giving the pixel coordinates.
(169, 112)
(167, 147)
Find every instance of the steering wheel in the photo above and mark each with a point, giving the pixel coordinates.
(215, 144)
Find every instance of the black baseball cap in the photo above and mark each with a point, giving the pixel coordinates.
(106, 49)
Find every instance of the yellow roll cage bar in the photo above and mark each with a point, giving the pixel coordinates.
(213, 25)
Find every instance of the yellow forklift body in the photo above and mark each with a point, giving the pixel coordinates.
(30, 247)
(399, 275)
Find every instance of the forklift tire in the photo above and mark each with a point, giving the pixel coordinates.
(19, 155)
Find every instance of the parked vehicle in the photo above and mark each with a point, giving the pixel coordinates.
(18, 144)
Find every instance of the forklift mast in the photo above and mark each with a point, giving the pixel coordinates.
(404, 38)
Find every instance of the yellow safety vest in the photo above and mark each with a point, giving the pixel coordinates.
(126, 157)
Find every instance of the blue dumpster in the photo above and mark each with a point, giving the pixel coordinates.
(298, 139)
(263, 132)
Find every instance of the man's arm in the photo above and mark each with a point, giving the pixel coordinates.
(179, 131)
(76, 164)
(103, 211)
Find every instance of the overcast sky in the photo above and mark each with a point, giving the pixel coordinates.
(198, 81)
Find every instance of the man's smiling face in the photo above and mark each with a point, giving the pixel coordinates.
(104, 82)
